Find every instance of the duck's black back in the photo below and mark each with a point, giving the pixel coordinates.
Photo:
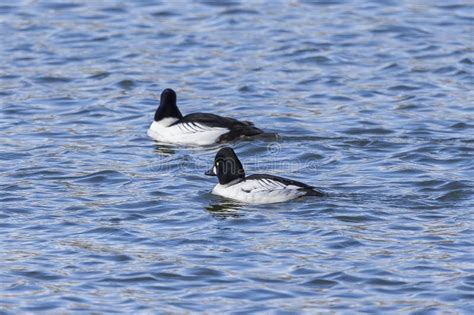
(236, 128)
(310, 190)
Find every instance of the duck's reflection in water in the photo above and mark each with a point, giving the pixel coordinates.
(224, 209)
(164, 149)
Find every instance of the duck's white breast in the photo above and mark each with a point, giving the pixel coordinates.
(259, 191)
(184, 133)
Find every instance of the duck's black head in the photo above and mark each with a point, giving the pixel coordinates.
(168, 107)
(227, 167)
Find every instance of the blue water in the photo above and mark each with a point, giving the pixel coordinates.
(373, 102)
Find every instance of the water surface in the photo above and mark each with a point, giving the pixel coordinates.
(373, 102)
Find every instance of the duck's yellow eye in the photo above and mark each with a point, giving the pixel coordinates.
(217, 163)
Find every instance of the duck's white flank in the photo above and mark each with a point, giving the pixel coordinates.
(184, 133)
(259, 191)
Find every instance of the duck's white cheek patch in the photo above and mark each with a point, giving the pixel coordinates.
(214, 170)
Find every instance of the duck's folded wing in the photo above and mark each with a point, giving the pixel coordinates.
(264, 182)
(236, 128)
(188, 133)
(261, 185)
(211, 120)
(191, 127)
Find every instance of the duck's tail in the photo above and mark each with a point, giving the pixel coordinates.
(314, 192)
(250, 130)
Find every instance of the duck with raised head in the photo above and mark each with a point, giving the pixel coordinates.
(171, 126)
(257, 188)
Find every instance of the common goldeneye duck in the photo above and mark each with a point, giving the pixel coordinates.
(258, 188)
(171, 126)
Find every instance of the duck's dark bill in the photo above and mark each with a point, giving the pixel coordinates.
(210, 172)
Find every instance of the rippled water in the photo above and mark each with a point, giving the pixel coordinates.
(373, 102)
